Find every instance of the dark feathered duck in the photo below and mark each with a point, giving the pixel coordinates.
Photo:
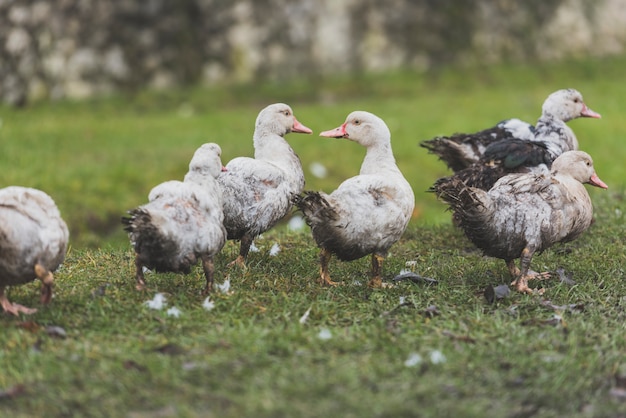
(258, 191)
(182, 222)
(461, 151)
(33, 242)
(524, 214)
(552, 138)
(367, 213)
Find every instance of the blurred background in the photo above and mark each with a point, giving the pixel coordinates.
(104, 99)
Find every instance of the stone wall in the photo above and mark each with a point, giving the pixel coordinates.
(52, 49)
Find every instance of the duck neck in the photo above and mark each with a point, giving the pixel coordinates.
(553, 129)
(202, 179)
(275, 149)
(379, 159)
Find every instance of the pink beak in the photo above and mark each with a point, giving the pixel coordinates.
(588, 113)
(300, 128)
(224, 169)
(595, 181)
(339, 132)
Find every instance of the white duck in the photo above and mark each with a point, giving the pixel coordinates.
(526, 213)
(461, 151)
(367, 213)
(258, 191)
(33, 245)
(182, 222)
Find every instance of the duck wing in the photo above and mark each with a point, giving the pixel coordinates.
(461, 150)
(256, 194)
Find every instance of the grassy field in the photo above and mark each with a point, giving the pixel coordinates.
(277, 344)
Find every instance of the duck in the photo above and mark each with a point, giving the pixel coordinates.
(367, 213)
(182, 221)
(33, 245)
(258, 191)
(526, 213)
(552, 138)
(461, 151)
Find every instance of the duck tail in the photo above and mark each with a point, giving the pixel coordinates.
(456, 150)
(469, 204)
(151, 243)
(471, 207)
(314, 206)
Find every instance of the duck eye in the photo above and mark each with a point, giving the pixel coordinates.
(357, 122)
(287, 113)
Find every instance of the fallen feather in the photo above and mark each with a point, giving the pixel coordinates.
(305, 317)
(494, 293)
(208, 304)
(571, 307)
(56, 331)
(224, 287)
(253, 248)
(158, 302)
(325, 334)
(437, 357)
(173, 311)
(274, 250)
(413, 277)
(564, 277)
(413, 360)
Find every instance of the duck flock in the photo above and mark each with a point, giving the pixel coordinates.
(516, 189)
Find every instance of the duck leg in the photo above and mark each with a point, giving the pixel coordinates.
(324, 276)
(140, 281)
(47, 279)
(13, 308)
(244, 249)
(524, 274)
(209, 270)
(377, 267)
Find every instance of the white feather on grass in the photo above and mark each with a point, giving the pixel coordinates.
(305, 317)
(173, 311)
(158, 302)
(274, 250)
(413, 360)
(325, 334)
(224, 287)
(208, 304)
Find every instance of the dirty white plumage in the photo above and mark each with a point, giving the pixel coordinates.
(526, 213)
(367, 213)
(182, 222)
(258, 191)
(33, 242)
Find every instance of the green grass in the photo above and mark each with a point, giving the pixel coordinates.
(250, 355)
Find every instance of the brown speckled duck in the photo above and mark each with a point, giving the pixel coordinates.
(33, 242)
(182, 221)
(526, 213)
(258, 191)
(367, 213)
